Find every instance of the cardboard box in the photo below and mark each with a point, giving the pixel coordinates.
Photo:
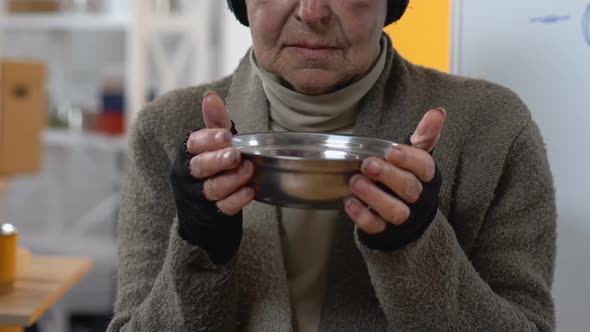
(33, 6)
(23, 104)
(4, 186)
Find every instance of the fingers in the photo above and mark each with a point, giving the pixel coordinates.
(208, 140)
(220, 187)
(402, 182)
(403, 171)
(214, 113)
(428, 130)
(363, 217)
(214, 155)
(235, 202)
(414, 160)
(210, 163)
(391, 209)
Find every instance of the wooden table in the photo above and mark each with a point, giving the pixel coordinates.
(46, 280)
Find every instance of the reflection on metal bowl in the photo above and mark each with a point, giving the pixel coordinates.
(306, 170)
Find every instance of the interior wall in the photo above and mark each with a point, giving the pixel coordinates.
(236, 40)
(541, 51)
(423, 33)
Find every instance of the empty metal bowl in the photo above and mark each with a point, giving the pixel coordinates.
(306, 170)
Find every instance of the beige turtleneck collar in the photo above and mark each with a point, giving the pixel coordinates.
(307, 235)
(329, 112)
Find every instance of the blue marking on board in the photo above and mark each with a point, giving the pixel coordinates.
(586, 25)
(550, 19)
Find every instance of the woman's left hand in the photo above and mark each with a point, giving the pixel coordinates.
(403, 171)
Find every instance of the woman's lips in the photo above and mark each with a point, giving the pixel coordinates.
(312, 51)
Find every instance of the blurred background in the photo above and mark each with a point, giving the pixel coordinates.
(75, 73)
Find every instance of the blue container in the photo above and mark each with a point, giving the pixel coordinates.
(112, 102)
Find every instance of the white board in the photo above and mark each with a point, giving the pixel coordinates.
(541, 50)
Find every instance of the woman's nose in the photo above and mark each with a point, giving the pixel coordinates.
(314, 12)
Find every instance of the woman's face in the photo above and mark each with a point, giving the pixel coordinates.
(316, 46)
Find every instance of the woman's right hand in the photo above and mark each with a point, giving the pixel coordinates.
(216, 162)
(210, 184)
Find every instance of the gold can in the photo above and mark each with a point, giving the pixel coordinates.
(8, 248)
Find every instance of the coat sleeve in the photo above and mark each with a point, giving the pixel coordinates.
(504, 284)
(164, 283)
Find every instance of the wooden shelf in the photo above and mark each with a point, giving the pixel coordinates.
(63, 137)
(173, 23)
(63, 21)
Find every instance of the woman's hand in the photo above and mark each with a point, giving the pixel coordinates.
(406, 171)
(216, 162)
(210, 184)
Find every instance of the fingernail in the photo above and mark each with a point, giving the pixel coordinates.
(193, 166)
(247, 165)
(395, 152)
(352, 206)
(371, 167)
(229, 157)
(442, 110)
(359, 183)
(221, 137)
(248, 191)
(208, 92)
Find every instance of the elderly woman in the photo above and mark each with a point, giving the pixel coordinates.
(405, 253)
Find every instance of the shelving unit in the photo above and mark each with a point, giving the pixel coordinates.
(63, 21)
(143, 27)
(149, 61)
(65, 138)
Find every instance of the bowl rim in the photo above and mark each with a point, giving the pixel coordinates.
(303, 159)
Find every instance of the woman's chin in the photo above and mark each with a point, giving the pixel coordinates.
(316, 85)
(313, 90)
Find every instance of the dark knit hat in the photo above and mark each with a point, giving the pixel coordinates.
(395, 10)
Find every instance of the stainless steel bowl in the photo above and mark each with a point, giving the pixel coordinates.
(306, 170)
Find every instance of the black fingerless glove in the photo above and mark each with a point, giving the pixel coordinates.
(200, 221)
(422, 213)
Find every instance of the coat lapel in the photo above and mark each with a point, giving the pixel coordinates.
(246, 101)
(389, 111)
(264, 296)
(370, 117)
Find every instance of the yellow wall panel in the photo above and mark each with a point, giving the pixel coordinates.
(423, 34)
